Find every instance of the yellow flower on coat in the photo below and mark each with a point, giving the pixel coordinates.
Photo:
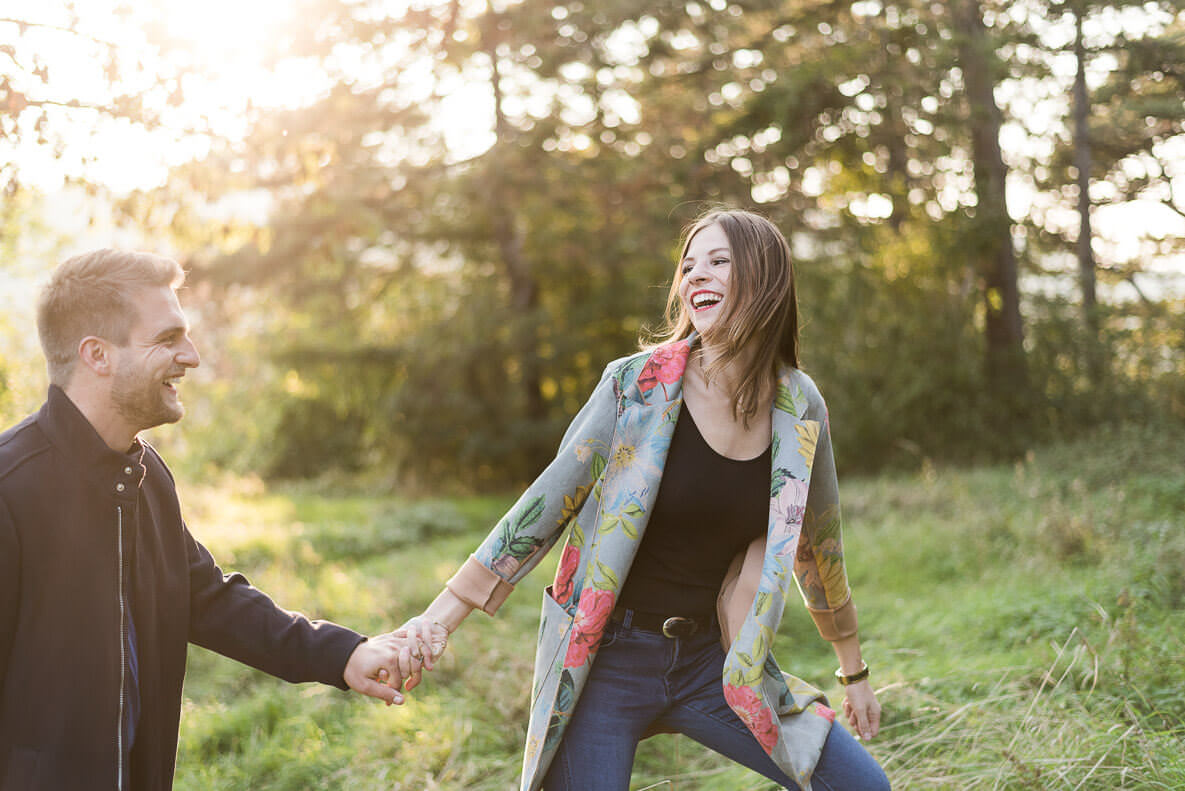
(625, 456)
(572, 504)
(808, 439)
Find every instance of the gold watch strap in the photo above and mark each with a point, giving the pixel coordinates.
(859, 675)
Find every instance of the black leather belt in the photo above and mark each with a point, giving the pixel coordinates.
(668, 625)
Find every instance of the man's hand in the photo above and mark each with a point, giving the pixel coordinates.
(374, 668)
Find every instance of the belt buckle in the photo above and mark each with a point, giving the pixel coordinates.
(679, 627)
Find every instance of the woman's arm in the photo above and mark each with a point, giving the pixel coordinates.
(533, 524)
(448, 610)
(819, 563)
(822, 577)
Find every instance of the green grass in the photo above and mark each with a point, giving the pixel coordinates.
(1025, 625)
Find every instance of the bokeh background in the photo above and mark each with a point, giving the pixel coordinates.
(416, 231)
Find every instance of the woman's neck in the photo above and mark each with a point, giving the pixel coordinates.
(725, 380)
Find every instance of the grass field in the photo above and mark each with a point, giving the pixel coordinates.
(1025, 625)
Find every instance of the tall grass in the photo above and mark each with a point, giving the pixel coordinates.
(1024, 624)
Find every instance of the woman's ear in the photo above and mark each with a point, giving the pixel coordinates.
(95, 354)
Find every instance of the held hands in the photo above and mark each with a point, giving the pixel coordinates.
(862, 710)
(421, 643)
(383, 665)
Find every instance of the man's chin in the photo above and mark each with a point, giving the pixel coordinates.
(166, 417)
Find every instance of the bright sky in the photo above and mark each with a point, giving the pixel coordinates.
(230, 44)
(227, 40)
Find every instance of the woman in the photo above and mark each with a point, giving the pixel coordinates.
(667, 597)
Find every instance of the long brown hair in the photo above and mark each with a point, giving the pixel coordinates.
(760, 316)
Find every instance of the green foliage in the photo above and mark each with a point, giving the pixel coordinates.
(311, 435)
(440, 315)
(1005, 656)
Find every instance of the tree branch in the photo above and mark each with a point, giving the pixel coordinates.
(24, 24)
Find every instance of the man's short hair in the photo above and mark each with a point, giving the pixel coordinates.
(90, 294)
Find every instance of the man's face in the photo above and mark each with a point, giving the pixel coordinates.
(156, 356)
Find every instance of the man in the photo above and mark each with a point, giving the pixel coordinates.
(101, 584)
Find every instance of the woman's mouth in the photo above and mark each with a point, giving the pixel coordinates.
(705, 300)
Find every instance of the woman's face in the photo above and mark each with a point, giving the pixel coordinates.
(705, 271)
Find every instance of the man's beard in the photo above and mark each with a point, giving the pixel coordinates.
(141, 403)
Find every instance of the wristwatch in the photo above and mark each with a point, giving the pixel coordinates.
(859, 675)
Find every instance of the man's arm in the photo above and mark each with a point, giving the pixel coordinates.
(230, 616)
(10, 586)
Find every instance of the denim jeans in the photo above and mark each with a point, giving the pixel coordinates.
(642, 678)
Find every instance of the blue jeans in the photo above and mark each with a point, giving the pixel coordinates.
(642, 678)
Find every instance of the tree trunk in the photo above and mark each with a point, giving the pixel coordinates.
(1082, 161)
(524, 289)
(992, 242)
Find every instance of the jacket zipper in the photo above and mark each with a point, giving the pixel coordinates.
(123, 656)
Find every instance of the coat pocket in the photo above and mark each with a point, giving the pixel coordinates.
(555, 631)
(553, 688)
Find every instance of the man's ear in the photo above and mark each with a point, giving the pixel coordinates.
(95, 354)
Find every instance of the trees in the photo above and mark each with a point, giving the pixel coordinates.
(451, 298)
(50, 105)
(991, 237)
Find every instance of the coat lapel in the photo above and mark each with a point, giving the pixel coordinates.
(649, 409)
(603, 543)
(772, 704)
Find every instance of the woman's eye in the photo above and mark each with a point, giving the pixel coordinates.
(719, 261)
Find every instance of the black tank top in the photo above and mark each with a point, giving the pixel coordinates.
(708, 508)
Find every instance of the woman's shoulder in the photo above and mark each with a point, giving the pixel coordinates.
(632, 364)
(625, 370)
(802, 391)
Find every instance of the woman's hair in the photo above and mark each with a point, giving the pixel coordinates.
(760, 314)
(91, 294)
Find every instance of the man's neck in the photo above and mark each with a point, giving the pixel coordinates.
(95, 407)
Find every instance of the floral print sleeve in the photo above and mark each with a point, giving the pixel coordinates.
(534, 523)
(819, 564)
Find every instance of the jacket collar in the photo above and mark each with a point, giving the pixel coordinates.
(660, 379)
(118, 474)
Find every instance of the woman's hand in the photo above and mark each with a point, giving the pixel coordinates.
(862, 709)
(421, 642)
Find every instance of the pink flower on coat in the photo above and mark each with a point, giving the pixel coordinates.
(562, 588)
(665, 366)
(790, 508)
(824, 712)
(758, 717)
(592, 613)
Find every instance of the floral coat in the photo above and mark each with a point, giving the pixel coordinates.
(602, 485)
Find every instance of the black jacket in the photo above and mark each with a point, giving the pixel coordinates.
(86, 534)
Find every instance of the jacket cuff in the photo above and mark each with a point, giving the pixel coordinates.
(479, 587)
(345, 649)
(838, 623)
